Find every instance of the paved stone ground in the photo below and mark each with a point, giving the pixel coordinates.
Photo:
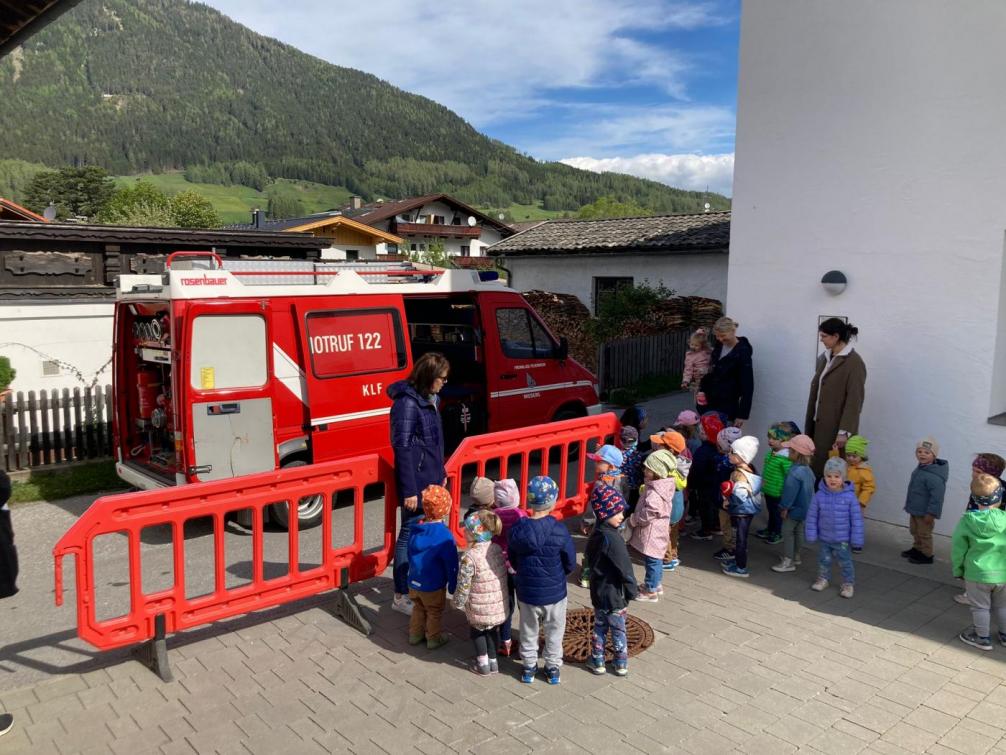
(763, 665)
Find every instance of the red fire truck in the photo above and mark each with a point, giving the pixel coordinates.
(227, 367)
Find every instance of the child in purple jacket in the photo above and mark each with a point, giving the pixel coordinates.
(835, 519)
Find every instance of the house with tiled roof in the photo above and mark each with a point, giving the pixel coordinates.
(588, 258)
(372, 230)
(10, 210)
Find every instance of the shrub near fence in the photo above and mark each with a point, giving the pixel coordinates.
(55, 427)
(624, 363)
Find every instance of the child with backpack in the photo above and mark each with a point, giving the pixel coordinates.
(481, 589)
(742, 501)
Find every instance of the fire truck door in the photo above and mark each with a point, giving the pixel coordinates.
(231, 407)
(353, 354)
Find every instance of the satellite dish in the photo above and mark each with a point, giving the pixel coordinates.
(501, 216)
(472, 221)
(707, 206)
(50, 212)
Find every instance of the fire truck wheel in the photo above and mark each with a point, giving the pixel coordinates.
(565, 413)
(309, 508)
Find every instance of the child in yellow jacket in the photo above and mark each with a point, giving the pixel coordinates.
(860, 475)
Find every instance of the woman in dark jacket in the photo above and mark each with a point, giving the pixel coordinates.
(836, 392)
(417, 438)
(729, 385)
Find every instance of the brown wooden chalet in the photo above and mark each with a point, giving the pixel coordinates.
(69, 261)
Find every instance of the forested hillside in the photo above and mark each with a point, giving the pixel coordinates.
(156, 85)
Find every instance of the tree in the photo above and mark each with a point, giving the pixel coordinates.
(140, 201)
(434, 255)
(284, 204)
(192, 210)
(7, 373)
(609, 207)
(74, 191)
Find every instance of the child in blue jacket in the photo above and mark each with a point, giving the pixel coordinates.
(797, 492)
(836, 519)
(433, 568)
(743, 499)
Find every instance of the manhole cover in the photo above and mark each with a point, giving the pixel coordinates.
(580, 632)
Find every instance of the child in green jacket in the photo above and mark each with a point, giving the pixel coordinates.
(979, 556)
(777, 465)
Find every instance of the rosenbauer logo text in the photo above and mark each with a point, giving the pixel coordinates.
(204, 281)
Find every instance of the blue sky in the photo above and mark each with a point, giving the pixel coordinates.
(646, 87)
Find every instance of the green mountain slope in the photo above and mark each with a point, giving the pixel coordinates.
(156, 85)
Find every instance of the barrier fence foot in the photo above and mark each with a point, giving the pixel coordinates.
(154, 653)
(347, 609)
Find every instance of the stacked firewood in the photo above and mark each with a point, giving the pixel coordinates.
(567, 316)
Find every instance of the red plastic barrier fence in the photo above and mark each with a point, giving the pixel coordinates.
(540, 449)
(170, 609)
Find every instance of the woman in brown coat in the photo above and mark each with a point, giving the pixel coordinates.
(836, 392)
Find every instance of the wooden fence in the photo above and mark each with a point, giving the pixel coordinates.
(53, 427)
(626, 362)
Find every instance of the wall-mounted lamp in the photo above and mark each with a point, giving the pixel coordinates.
(834, 282)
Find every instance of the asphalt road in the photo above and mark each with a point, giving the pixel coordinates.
(40, 640)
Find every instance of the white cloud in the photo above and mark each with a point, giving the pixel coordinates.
(681, 171)
(485, 59)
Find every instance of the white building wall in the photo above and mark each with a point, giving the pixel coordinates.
(687, 274)
(870, 140)
(79, 335)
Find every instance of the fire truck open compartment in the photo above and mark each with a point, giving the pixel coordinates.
(145, 394)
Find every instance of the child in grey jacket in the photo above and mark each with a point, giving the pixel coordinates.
(924, 502)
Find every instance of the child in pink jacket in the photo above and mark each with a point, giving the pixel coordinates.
(697, 360)
(652, 518)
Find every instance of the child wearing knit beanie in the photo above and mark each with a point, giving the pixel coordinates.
(742, 500)
(986, 463)
(507, 508)
(856, 453)
(835, 519)
(481, 589)
(924, 501)
(724, 468)
(777, 464)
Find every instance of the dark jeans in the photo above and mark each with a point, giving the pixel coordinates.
(401, 569)
(741, 524)
(485, 641)
(708, 511)
(506, 630)
(774, 519)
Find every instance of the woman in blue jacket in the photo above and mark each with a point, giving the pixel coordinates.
(417, 437)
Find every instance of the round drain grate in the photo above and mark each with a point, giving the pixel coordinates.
(580, 633)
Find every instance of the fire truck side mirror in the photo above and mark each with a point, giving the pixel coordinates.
(562, 353)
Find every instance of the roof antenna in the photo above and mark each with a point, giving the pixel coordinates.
(705, 195)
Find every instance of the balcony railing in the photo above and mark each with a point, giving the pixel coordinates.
(431, 229)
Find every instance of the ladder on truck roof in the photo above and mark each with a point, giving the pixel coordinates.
(300, 277)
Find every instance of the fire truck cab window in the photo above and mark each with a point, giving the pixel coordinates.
(521, 336)
(228, 351)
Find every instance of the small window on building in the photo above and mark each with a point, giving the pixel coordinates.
(352, 255)
(438, 220)
(604, 287)
(50, 368)
(423, 219)
(412, 247)
(422, 247)
(456, 220)
(466, 251)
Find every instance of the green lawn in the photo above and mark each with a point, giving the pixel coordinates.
(522, 212)
(235, 203)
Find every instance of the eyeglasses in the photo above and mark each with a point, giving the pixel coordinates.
(442, 378)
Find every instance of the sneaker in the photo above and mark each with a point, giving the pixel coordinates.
(763, 534)
(621, 668)
(962, 598)
(505, 649)
(847, 590)
(970, 637)
(733, 570)
(596, 665)
(494, 666)
(909, 553)
(644, 596)
(437, 642)
(402, 604)
(552, 674)
(585, 581)
(415, 639)
(857, 550)
(918, 558)
(480, 669)
(819, 584)
(723, 555)
(700, 535)
(671, 565)
(773, 539)
(527, 674)
(659, 590)
(1002, 639)
(6, 723)
(786, 565)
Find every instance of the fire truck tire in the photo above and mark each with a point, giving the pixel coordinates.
(567, 412)
(309, 508)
